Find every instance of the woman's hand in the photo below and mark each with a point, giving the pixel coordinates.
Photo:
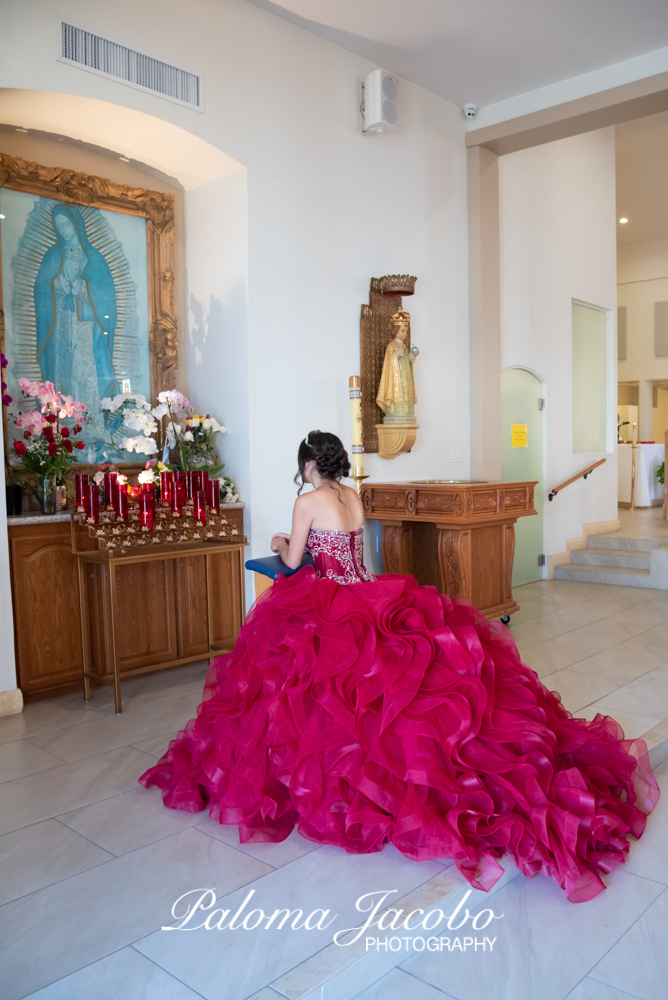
(279, 542)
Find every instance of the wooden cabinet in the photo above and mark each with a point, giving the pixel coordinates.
(45, 595)
(161, 607)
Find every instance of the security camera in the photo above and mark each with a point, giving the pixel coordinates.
(470, 110)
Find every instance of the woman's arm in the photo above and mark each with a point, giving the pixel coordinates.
(291, 550)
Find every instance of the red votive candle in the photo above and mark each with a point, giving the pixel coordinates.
(178, 498)
(91, 503)
(149, 490)
(214, 495)
(121, 501)
(134, 490)
(109, 489)
(166, 486)
(199, 502)
(146, 511)
(205, 479)
(197, 486)
(181, 477)
(81, 485)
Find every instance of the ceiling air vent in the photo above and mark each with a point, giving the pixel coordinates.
(82, 48)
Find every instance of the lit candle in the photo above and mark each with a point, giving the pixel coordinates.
(355, 392)
(178, 498)
(146, 511)
(81, 484)
(166, 486)
(199, 502)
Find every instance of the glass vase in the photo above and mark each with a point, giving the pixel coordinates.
(48, 494)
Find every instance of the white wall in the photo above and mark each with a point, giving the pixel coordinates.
(641, 364)
(557, 243)
(327, 209)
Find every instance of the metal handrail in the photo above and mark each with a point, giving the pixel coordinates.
(581, 475)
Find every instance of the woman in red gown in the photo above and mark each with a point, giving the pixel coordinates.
(371, 711)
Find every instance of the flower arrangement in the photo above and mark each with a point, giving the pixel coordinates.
(192, 438)
(6, 400)
(132, 410)
(47, 448)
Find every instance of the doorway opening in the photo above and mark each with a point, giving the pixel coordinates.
(522, 459)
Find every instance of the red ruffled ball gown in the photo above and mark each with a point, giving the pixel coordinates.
(372, 711)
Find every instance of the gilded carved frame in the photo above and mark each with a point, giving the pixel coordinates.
(158, 210)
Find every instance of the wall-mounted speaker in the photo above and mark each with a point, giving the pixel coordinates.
(380, 92)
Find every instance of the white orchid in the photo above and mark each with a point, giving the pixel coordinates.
(147, 476)
(142, 445)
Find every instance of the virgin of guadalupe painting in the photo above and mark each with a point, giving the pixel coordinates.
(86, 293)
(76, 279)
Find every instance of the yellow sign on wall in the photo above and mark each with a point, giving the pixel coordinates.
(518, 436)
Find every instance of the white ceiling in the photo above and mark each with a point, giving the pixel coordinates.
(483, 51)
(642, 179)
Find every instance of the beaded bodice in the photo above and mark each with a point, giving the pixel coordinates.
(338, 555)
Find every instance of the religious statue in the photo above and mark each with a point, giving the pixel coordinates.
(396, 392)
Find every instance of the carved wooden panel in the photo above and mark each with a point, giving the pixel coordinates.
(454, 554)
(46, 610)
(397, 548)
(158, 210)
(376, 332)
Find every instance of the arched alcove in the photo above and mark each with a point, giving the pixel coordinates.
(213, 346)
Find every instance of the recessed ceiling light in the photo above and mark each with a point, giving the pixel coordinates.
(1, 216)
(623, 220)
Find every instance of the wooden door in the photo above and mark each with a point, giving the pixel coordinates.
(46, 610)
(191, 603)
(226, 585)
(145, 613)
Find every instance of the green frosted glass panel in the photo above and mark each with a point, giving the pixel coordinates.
(590, 366)
(520, 395)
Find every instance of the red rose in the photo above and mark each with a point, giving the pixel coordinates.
(64, 432)
(53, 448)
(79, 444)
(48, 434)
(67, 445)
(27, 434)
(76, 429)
(51, 418)
(19, 448)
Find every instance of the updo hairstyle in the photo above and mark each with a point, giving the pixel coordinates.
(331, 458)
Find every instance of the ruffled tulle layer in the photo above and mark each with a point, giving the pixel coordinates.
(385, 712)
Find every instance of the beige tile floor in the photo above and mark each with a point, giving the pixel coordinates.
(90, 864)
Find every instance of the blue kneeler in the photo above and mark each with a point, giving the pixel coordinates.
(274, 566)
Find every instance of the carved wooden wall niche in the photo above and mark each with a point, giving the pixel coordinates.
(375, 334)
(157, 208)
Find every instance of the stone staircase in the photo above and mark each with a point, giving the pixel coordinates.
(613, 558)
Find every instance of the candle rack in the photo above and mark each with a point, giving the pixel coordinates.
(111, 532)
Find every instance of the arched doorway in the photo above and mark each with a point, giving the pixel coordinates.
(522, 458)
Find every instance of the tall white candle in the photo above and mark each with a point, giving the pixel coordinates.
(355, 393)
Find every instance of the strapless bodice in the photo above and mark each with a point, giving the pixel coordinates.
(338, 555)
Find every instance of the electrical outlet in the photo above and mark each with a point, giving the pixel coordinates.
(456, 455)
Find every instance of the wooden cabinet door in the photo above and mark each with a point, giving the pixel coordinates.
(191, 603)
(225, 597)
(145, 614)
(46, 610)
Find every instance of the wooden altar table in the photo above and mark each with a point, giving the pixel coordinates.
(457, 536)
